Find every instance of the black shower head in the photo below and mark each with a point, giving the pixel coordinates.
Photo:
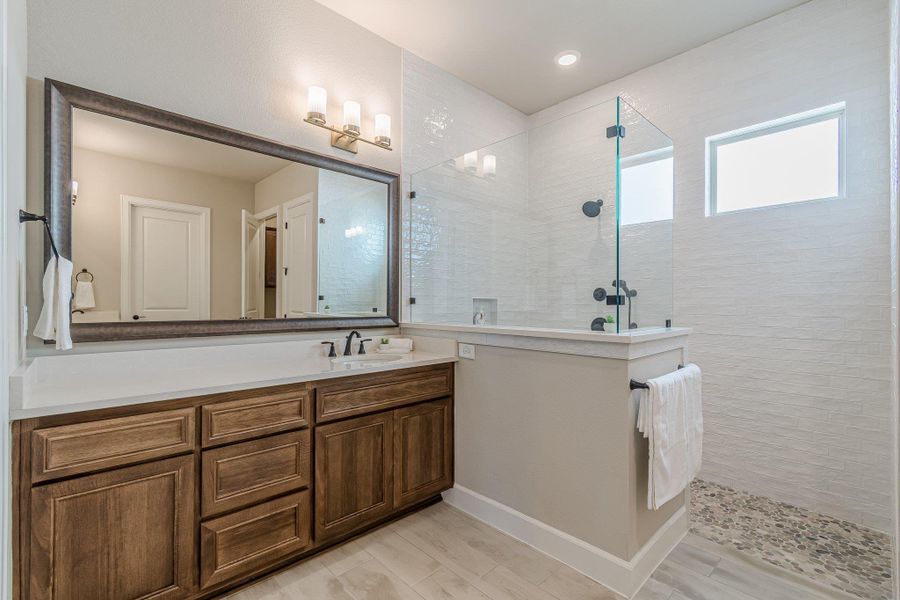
(591, 208)
(620, 284)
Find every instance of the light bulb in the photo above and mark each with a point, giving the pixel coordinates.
(470, 161)
(316, 104)
(351, 118)
(383, 130)
(489, 165)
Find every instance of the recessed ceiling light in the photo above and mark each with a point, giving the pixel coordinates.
(567, 58)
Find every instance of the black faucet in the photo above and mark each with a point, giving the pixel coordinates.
(349, 341)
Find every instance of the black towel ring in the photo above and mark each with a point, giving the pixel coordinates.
(84, 272)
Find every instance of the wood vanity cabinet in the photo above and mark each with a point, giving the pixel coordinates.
(185, 499)
(127, 533)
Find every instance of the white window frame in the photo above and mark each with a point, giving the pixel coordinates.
(817, 115)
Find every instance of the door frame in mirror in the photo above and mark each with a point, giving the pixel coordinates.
(60, 100)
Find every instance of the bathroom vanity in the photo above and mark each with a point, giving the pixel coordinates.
(187, 497)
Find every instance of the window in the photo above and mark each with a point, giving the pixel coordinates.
(647, 182)
(794, 159)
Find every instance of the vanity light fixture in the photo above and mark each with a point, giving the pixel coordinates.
(347, 137)
(351, 118)
(567, 58)
(383, 130)
(316, 105)
(468, 163)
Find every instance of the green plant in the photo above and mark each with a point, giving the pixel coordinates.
(609, 319)
(385, 341)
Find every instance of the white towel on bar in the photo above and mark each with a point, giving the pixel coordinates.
(84, 295)
(53, 324)
(670, 415)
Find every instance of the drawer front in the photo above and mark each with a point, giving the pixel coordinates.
(85, 447)
(239, 420)
(250, 539)
(370, 393)
(241, 474)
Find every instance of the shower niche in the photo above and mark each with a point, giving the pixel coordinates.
(577, 205)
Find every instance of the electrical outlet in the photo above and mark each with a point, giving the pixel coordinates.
(467, 351)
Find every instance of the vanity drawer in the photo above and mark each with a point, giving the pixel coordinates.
(250, 539)
(241, 474)
(237, 420)
(370, 393)
(84, 447)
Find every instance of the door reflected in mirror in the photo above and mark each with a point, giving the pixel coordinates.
(177, 228)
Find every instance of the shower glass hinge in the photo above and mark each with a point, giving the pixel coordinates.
(412, 300)
(615, 131)
(412, 194)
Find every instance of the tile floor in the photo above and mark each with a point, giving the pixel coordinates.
(441, 553)
(838, 553)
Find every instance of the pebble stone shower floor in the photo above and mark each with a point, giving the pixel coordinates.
(837, 553)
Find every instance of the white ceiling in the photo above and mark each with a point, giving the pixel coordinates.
(114, 136)
(507, 47)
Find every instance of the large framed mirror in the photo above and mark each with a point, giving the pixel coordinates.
(177, 227)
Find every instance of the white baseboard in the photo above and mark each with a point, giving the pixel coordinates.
(624, 577)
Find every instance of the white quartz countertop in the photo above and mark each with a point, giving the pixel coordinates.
(52, 385)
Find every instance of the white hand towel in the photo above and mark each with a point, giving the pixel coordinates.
(53, 324)
(84, 295)
(670, 415)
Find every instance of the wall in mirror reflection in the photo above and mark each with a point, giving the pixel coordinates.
(178, 228)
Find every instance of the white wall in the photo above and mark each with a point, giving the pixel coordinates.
(246, 65)
(443, 118)
(894, 7)
(12, 198)
(790, 305)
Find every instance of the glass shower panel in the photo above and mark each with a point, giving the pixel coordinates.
(645, 211)
(468, 238)
(521, 233)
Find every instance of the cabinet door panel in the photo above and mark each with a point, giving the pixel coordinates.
(250, 539)
(118, 535)
(353, 473)
(423, 451)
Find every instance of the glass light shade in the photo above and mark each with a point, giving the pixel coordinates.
(383, 129)
(316, 104)
(489, 165)
(351, 117)
(470, 161)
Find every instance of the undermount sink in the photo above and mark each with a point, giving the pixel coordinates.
(365, 360)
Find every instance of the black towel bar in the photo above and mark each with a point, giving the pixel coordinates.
(639, 385)
(27, 216)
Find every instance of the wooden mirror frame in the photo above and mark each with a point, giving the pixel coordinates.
(59, 101)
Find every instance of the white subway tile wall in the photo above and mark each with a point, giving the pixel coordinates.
(790, 305)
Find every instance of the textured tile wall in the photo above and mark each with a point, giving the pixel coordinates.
(790, 305)
(352, 270)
